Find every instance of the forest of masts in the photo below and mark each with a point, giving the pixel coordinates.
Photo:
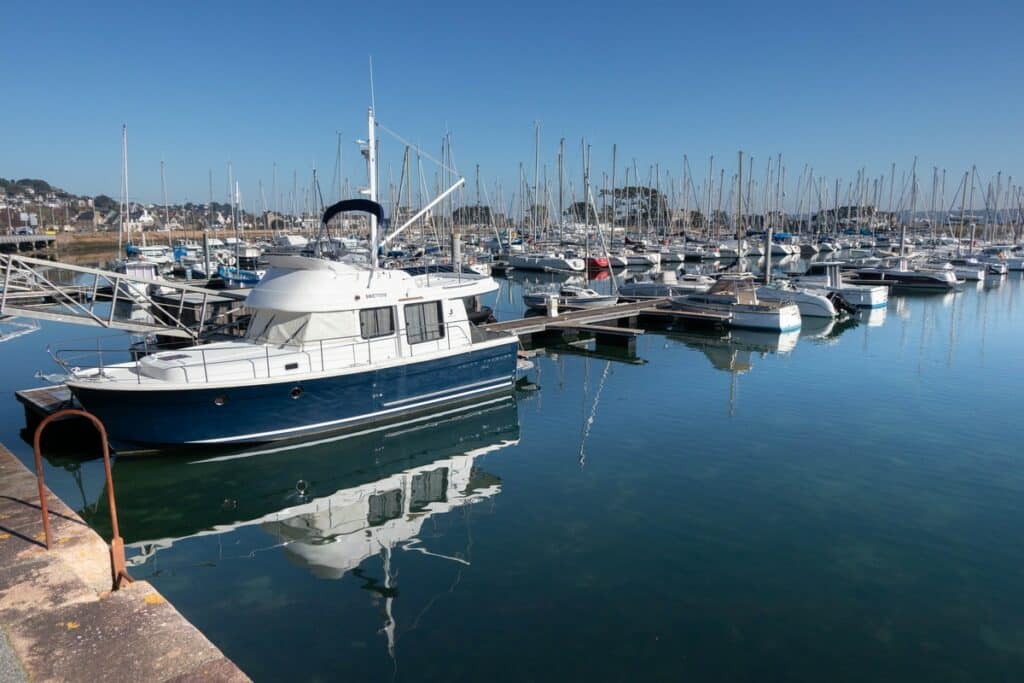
(713, 201)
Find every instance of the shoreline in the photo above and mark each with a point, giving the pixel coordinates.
(58, 616)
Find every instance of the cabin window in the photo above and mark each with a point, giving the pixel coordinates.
(277, 327)
(384, 506)
(424, 322)
(376, 322)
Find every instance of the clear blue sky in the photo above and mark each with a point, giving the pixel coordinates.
(839, 87)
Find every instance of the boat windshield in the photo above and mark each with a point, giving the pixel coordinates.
(742, 288)
(285, 328)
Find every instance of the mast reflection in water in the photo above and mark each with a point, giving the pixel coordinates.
(328, 506)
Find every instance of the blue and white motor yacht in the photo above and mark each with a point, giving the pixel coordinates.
(330, 345)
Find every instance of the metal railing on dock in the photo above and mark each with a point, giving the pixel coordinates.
(47, 290)
(118, 566)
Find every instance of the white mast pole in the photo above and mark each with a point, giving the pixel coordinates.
(122, 209)
(371, 156)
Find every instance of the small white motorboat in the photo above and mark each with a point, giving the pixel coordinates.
(736, 295)
(666, 283)
(827, 276)
(969, 269)
(569, 296)
(546, 261)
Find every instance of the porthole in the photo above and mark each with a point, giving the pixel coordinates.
(296, 392)
(220, 400)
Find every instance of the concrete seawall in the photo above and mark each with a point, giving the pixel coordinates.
(59, 620)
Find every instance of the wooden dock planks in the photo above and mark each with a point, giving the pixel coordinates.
(595, 316)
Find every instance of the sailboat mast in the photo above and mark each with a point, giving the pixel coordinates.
(163, 190)
(371, 158)
(586, 195)
(561, 183)
(124, 189)
(534, 208)
(963, 203)
(974, 223)
(913, 207)
(341, 171)
(615, 211)
(739, 203)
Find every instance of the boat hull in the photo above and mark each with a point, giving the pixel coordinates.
(936, 280)
(672, 256)
(539, 302)
(546, 263)
(784, 318)
(256, 413)
(810, 304)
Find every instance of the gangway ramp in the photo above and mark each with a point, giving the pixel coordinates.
(49, 290)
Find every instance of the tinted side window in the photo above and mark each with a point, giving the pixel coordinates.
(424, 322)
(376, 322)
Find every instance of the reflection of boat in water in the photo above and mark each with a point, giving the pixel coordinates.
(334, 507)
(872, 317)
(826, 331)
(731, 352)
(12, 328)
(734, 352)
(376, 484)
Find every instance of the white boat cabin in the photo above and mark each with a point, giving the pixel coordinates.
(316, 317)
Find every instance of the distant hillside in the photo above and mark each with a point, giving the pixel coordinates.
(12, 186)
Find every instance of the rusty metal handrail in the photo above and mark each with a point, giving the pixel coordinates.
(118, 566)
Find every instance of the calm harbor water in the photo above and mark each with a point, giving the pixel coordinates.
(844, 503)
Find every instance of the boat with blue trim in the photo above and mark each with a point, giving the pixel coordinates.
(331, 345)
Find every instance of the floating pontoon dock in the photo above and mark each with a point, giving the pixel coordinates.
(592, 321)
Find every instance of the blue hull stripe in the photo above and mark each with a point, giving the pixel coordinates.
(464, 387)
(433, 415)
(332, 423)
